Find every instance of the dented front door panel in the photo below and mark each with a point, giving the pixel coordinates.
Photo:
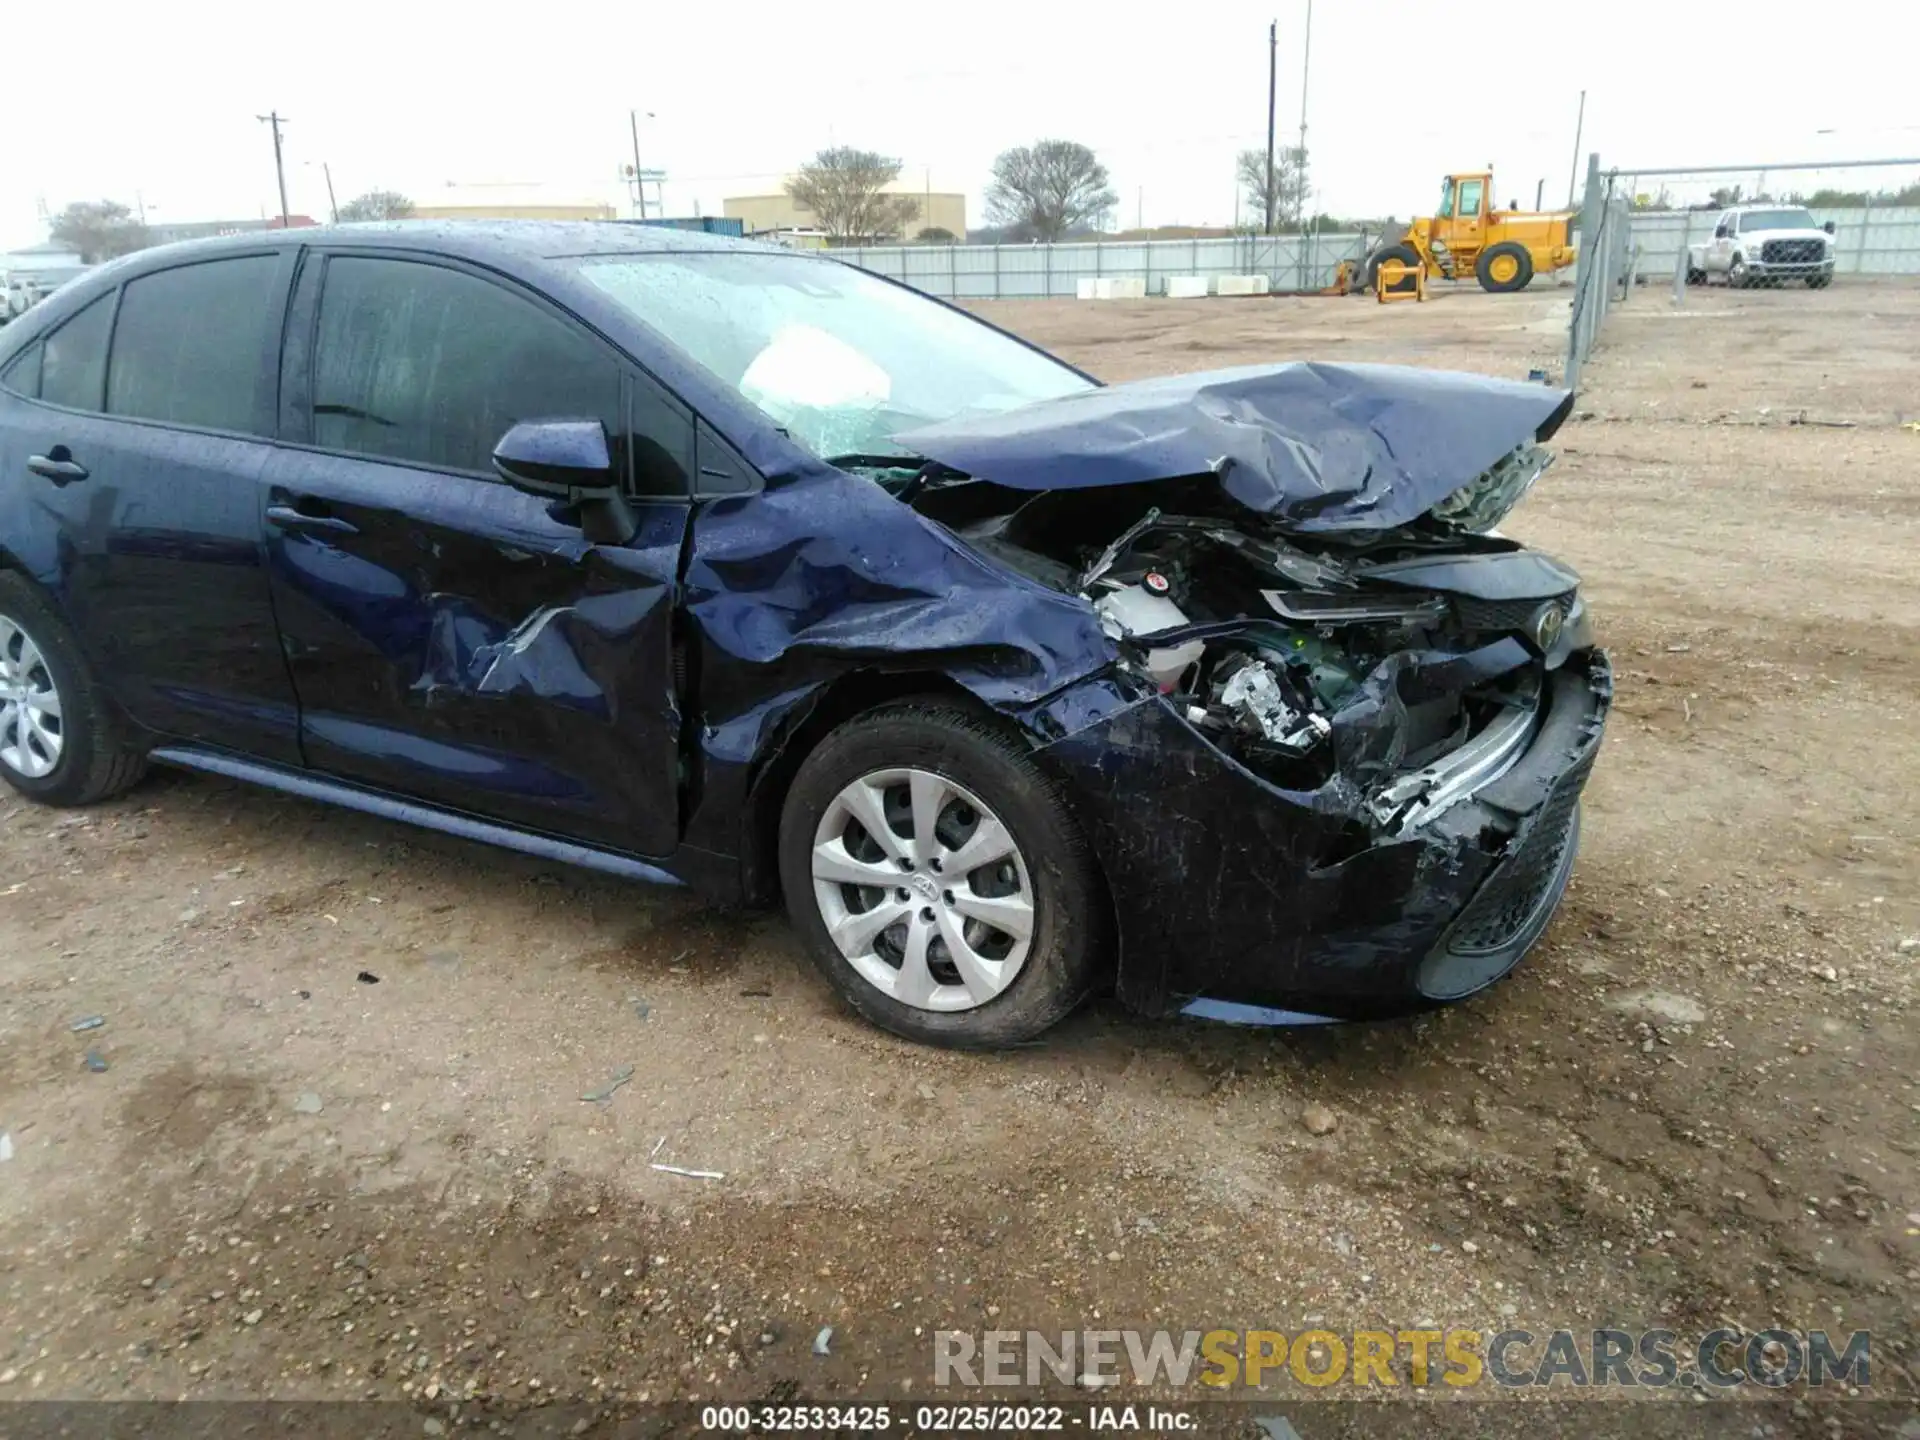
(451, 641)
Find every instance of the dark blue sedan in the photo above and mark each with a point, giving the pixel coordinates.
(705, 563)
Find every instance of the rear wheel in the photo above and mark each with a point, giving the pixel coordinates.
(60, 741)
(1406, 255)
(1504, 267)
(1695, 276)
(938, 879)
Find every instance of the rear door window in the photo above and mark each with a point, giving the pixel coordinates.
(196, 346)
(421, 363)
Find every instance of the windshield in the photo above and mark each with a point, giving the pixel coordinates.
(1777, 220)
(839, 359)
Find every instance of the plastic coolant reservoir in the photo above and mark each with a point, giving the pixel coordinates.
(1135, 610)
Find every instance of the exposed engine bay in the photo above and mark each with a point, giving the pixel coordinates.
(1386, 673)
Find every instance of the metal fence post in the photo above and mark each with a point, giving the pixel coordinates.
(1592, 261)
(996, 274)
(1047, 260)
(1680, 264)
(1860, 250)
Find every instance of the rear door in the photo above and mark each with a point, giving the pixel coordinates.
(134, 440)
(450, 638)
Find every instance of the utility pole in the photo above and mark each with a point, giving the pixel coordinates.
(1578, 125)
(1300, 163)
(276, 120)
(333, 206)
(1273, 81)
(639, 175)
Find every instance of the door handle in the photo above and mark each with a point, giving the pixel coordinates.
(288, 517)
(57, 465)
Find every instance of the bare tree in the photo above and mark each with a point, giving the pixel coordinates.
(847, 189)
(377, 205)
(1045, 189)
(1287, 182)
(99, 230)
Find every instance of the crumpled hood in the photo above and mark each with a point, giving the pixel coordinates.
(1315, 446)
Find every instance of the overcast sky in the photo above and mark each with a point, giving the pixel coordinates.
(156, 103)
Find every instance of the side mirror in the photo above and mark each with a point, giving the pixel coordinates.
(1828, 227)
(567, 460)
(1720, 232)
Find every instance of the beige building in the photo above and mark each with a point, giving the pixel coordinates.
(937, 209)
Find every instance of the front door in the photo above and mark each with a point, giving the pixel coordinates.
(1469, 219)
(450, 638)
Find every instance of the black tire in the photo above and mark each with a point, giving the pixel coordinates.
(1522, 276)
(1695, 277)
(1819, 282)
(1069, 936)
(1737, 274)
(97, 759)
(1405, 254)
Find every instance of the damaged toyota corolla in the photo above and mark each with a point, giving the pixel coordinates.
(1221, 690)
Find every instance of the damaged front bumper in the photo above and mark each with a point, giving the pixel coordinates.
(1240, 900)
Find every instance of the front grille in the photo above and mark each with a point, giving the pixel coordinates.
(1513, 896)
(1503, 616)
(1792, 252)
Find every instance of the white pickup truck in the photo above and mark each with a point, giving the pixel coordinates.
(1764, 245)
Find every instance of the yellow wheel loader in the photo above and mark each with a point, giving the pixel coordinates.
(1468, 235)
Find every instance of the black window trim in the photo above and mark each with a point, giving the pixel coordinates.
(283, 279)
(40, 341)
(322, 255)
(295, 260)
(630, 368)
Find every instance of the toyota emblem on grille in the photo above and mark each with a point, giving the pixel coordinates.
(1546, 625)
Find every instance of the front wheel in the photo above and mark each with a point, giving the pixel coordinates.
(1819, 282)
(1407, 256)
(939, 880)
(1737, 274)
(1504, 268)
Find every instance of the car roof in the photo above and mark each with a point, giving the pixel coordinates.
(482, 241)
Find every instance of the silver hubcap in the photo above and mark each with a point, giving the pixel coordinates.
(32, 732)
(923, 890)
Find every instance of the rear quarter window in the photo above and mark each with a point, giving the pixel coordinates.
(69, 365)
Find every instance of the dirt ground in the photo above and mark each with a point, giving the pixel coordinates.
(1695, 1103)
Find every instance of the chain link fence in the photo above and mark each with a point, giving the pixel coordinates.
(1764, 226)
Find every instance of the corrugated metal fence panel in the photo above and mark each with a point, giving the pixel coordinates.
(1866, 242)
(968, 272)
